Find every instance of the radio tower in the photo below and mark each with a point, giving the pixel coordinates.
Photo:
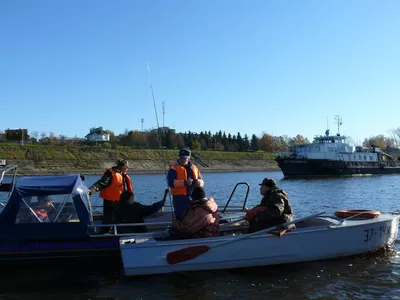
(142, 124)
(163, 115)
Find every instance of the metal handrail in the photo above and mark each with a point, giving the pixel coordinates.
(232, 208)
(233, 191)
(115, 227)
(9, 168)
(128, 224)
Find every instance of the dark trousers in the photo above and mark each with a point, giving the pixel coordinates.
(108, 210)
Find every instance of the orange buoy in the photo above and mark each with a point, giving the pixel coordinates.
(361, 213)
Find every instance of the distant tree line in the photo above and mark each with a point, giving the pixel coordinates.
(205, 140)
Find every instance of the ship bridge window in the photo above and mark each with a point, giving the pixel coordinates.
(370, 157)
(365, 157)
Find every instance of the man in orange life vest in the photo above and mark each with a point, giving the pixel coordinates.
(114, 181)
(182, 177)
(43, 210)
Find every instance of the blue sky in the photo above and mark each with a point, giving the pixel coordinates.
(279, 67)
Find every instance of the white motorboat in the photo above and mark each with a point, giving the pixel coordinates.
(316, 237)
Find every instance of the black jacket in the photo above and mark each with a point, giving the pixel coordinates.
(134, 213)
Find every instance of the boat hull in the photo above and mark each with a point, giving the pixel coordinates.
(292, 167)
(303, 244)
(81, 252)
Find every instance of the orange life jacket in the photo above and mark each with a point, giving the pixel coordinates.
(41, 213)
(115, 189)
(181, 175)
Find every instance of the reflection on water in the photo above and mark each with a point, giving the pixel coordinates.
(370, 277)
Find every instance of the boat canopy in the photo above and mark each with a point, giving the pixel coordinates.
(48, 199)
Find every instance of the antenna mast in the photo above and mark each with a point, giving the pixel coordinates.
(338, 122)
(163, 115)
(142, 120)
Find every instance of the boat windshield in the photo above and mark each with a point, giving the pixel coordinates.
(47, 209)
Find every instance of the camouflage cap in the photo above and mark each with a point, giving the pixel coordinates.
(123, 163)
(268, 182)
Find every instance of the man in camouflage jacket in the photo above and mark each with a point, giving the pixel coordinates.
(274, 208)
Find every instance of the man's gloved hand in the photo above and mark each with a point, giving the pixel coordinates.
(165, 196)
(252, 212)
(199, 183)
(188, 182)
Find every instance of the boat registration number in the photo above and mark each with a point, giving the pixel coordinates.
(370, 233)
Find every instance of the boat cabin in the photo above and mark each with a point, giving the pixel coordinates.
(324, 147)
(46, 207)
(334, 147)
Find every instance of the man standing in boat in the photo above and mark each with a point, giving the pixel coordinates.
(114, 181)
(274, 208)
(182, 177)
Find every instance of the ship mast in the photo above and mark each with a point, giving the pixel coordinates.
(339, 122)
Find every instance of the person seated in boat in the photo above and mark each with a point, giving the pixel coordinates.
(43, 210)
(200, 219)
(274, 208)
(129, 211)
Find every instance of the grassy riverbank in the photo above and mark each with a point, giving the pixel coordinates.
(48, 159)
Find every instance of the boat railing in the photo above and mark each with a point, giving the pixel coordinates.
(7, 186)
(243, 207)
(93, 229)
(160, 231)
(167, 208)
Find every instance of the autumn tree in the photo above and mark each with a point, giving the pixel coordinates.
(379, 140)
(396, 136)
(266, 143)
(279, 143)
(53, 139)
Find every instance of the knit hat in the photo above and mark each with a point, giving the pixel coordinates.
(198, 193)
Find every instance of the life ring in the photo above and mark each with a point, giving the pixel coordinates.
(361, 213)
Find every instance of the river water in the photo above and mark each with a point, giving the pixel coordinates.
(371, 277)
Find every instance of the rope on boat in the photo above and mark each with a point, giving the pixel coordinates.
(159, 136)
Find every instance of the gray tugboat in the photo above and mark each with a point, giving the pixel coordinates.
(330, 155)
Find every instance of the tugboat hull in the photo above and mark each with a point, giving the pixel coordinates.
(292, 168)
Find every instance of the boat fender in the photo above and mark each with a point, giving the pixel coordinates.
(361, 213)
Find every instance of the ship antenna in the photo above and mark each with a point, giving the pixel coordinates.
(339, 123)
